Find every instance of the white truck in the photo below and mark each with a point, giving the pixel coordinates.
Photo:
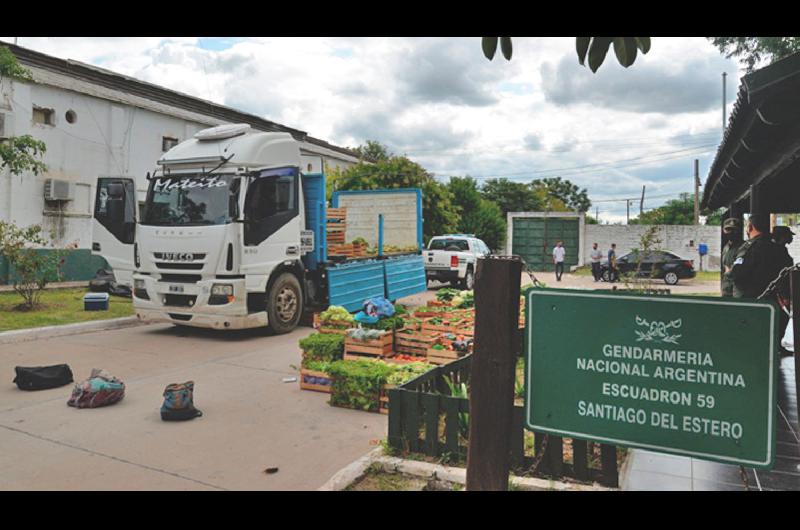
(453, 258)
(233, 235)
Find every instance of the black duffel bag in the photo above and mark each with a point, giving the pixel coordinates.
(42, 377)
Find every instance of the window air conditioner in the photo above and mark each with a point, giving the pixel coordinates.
(58, 190)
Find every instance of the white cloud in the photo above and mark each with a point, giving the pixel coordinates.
(443, 103)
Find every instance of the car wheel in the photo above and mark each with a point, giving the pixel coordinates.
(671, 278)
(284, 304)
(469, 281)
(606, 276)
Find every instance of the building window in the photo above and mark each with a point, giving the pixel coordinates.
(43, 116)
(168, 143)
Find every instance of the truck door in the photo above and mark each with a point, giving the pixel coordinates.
(114, 225)
(272, 220)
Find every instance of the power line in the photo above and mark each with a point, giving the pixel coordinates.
(590, 168)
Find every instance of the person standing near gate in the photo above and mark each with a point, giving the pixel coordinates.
(732, 230)
(596, 255)
(558, 258)
(612, 262)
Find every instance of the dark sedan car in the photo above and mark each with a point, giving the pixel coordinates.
(657, 264)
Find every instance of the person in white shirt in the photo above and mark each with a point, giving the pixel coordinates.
(558, 259)
(596, 256)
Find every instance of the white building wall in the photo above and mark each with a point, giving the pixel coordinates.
(682, 240)
(109, 138)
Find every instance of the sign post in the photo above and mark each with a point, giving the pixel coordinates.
(691, 376)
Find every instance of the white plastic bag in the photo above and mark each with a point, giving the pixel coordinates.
(788, 337)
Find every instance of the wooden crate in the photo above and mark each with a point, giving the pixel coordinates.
(312, 386)
(414, 342)
(336, 214)
(394, 360)
(444, 327)
(328, 329)
(349, 250)
(381, 347)
(442, 356)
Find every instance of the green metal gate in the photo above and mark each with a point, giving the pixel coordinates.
(533, 238)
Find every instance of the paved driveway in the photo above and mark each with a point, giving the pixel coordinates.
(252, 420)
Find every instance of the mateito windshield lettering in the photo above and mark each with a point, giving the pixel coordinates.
(192, 200)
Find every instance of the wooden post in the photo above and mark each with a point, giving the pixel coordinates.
(794, 279)
(491, 400)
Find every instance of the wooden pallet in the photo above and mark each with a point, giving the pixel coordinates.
(312, 386)
(381, 347)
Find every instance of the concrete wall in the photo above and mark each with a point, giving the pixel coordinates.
(679, 239)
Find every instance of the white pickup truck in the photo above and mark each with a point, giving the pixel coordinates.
(453, 258)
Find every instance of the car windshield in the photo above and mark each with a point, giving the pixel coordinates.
(192, 200)
(448, 244)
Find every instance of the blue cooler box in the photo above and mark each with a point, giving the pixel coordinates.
(95, 302)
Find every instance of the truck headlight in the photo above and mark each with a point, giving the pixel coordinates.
(222, 289)
(221, 293)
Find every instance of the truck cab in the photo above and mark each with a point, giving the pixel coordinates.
(223, 239)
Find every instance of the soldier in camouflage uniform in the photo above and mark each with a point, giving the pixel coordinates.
(732, 228)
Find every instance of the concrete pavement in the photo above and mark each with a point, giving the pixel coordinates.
(251, 419)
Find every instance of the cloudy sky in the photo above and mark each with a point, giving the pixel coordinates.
(439, 101)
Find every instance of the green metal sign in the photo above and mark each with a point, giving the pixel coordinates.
(692, 376)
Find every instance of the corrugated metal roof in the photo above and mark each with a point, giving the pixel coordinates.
(142, 89)
(762, 136)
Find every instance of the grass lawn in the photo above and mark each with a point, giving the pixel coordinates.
(58, 306)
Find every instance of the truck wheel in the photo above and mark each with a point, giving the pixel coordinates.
(469, 281)
(284, 304)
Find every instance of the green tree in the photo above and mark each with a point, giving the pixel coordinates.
(19, 153)
(595, 48)
(373, 151)
(678, 211)
(32, 268)
(574, 198)
(440, 215)
(477, 215)
(512, 196)
(752, 50)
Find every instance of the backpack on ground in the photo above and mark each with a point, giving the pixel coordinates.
(42, 377)
(99, 390)
(179, 402)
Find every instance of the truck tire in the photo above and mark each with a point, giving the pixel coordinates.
(284, 304)
(468, 283)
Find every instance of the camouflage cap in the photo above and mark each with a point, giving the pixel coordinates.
(732, 224)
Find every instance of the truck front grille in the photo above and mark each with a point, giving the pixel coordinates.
(180, 266)
(179, 300)
(180, 278)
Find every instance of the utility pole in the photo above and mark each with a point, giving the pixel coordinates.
(597, 214)
(641, 204)
(628, 214)
(696, 191)
(724, 110)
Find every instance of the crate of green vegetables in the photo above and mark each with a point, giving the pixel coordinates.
(442, 324)
(336, 319)
(357, 384)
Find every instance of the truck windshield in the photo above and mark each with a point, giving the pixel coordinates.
(448, 244)
(192, 200)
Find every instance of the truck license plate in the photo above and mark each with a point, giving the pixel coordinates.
(176, 288)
